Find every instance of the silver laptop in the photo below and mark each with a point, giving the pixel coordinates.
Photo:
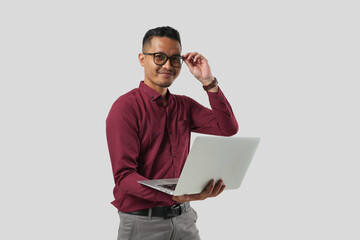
(226, 158)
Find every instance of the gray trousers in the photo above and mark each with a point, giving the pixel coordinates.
(136, 227)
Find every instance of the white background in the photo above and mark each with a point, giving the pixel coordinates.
(290, 70)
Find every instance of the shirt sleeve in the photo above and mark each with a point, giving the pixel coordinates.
(124, 148)
(219, 120)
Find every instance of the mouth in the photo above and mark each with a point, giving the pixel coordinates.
(166, 74)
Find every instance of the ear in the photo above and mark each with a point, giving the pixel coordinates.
(141, 59)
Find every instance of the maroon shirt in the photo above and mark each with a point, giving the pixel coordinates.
(149, 141)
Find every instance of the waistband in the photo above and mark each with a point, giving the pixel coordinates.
(165, 212)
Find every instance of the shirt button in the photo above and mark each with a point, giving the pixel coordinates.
(175, 155)
(152, 96)
(170, 132)
(221, 98)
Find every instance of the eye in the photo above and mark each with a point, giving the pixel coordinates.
(160, 57)
(176, 58)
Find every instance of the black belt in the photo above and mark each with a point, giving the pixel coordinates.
(165, 212)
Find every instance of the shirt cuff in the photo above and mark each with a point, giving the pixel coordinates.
(216, 98)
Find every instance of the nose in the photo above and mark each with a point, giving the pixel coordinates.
(167, 65)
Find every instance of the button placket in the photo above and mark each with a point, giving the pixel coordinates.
(171, 139)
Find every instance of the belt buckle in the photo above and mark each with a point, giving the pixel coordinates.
(172, 211)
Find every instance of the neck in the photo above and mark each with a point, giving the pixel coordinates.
(161, 90)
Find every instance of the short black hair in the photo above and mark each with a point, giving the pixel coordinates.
(161, 32)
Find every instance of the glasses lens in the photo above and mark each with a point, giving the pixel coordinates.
(176, 61)
(159, 59)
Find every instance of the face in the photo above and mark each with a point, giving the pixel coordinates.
(160, 76)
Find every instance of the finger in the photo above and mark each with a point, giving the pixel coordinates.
(186, 55)
(193, 58)
(217, 188)
(189, 61)
(221, 190)
(211, 185)
(189, 64)
(208, 189)
(192, 55)
(197, 57)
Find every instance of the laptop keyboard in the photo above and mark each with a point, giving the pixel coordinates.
(169, 186)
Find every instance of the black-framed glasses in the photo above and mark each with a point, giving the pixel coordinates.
(161, 58)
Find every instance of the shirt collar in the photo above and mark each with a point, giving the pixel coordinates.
(151, 92)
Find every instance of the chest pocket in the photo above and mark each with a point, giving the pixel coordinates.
(183, 125)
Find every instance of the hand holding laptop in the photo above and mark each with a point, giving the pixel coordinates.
(222, 159)
(210, 191)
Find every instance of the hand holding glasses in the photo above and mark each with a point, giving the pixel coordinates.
(160, 59)
(197, 63)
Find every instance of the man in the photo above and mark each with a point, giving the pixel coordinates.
(148, 133)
